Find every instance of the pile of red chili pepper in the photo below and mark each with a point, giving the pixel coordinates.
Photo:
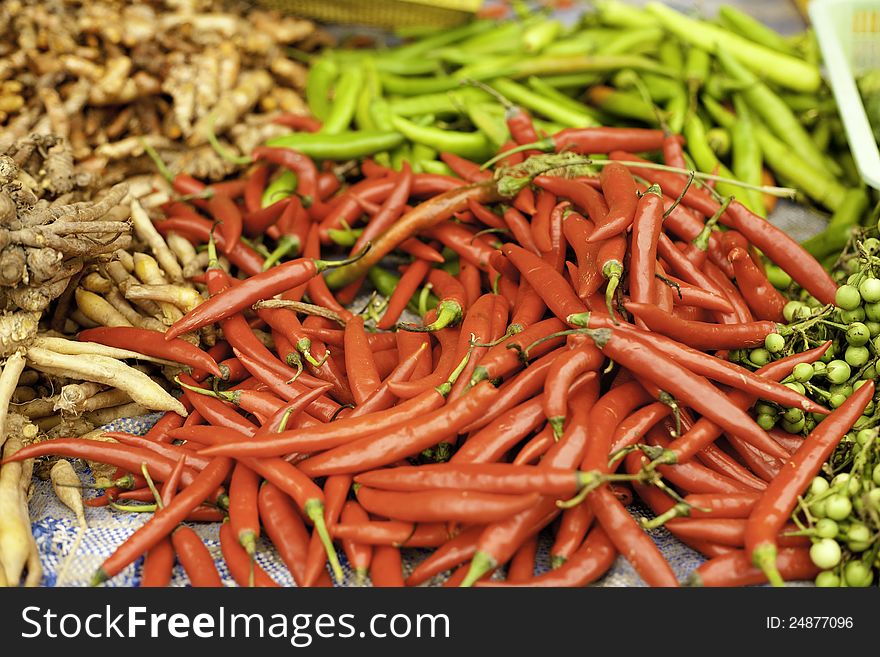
(578, 309)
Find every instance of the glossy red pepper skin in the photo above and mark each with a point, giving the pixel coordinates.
(764, 300)
(646, 228)
(546, 282)
(583, 196)
(469, 507)
(735, 569)
(241, 566)
(774, 508)
(195, 558)
(605, 140)
(619, 189)
(386, 569)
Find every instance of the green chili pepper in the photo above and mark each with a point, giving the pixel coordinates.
(421, 152)
(563, 114)
(775, 113)
(380, 111)
(625, 104)
(746, 26)
(401, 154)
(372, 89)
(747, 161)
(632, 41)
(447, 102)
(836, 234)
(676, 111)
(345, 99)
(704, 157)
(719, 141)
(789, 72)
(551, 65)
(436, 167)
(659, 88)
(584, 42)
(696, 69)
(539, 36)
(670, 55)
(472, 145)
(341, 146)
(821, 134)
(318, 84)
(540, 86)
(282, 186)
(488, 118)
(621, 15)
(572, 80)
(442, 38)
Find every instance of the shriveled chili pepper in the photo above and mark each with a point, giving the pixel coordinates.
(764, 300)
(702, 335)
(775, 506)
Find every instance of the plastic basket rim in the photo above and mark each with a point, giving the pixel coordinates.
(852, 110)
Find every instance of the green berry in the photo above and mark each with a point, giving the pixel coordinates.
(850, 316)
(794, 427)
(857, 334)
(836, 400)
(838, 507)
(872, 311)
(838, 371)
(790, 310)
(819, 485)
(857, 356)
(793, 415)
(827, 579)
(826, 528)
(802, 372)
(848, 297)
(774, 343)
(766, 409)
(856, 573)
(869, 289)
(825, 553)
(759, 356)
(865, 436)
(766, 422)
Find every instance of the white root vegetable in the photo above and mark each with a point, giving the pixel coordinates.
(148, 233)
(67, 487)
(75, 348)
(8, 382)
(108, 371)
(15, 534)
(98, 309)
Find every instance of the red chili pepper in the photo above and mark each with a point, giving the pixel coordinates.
(591, 560)
(469, 246)
(226, 213)
(285, 528)
(717, 505)
(540, 224)
(589, 278)
(735, 569)
(171, 452)
(485, 215)
(464, 169)
(359, 555)
(782, 249)
(239, 254)
(705, 431)
(620, 192)
(741, 314)
(686, 294)
(555, 255)
(701, 335)
(597, 140)
(643, 252)
(453, 302)
(395, 533)
(522, 567)
(152, 343)
(391, 209)
(546, 282)
(363, 377)
(301, 122)
(583, 196)
(244, 570)
(469, 277)
(532, 452)
(259, 221)
(780, 498)
(158, 564)
(764, 300)
(407, 286)
(386, 570)
(520, 229)
(672, 184)
(243, 513)
(504, 358)
(565, 369)
(483, 323)
(197, 562)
